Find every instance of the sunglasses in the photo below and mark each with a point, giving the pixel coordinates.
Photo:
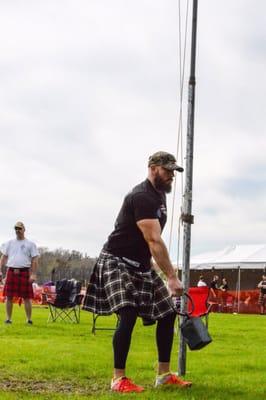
(18, 229)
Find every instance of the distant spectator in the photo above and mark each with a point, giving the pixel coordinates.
(214, 285)
(262, 296)
(201, 281)
(21, 258)
(214, 282)
(224, 286)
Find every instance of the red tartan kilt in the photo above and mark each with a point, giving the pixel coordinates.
(18, 285)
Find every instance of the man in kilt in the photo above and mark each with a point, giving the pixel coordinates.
(124, 281)
(262, 296)
(21, 257)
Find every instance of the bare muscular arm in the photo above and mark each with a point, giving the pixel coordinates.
(151, 231)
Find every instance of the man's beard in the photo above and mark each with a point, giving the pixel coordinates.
(161, 185)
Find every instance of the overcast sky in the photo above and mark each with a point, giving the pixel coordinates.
(90, 88)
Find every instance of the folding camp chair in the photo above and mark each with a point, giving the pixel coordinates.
(67, 302)
(214, 300)
(229, 303)
(94, 328)
(200, 306)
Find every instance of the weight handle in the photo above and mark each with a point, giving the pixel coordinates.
(187, 314)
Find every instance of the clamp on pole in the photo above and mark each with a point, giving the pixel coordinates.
(188, 218)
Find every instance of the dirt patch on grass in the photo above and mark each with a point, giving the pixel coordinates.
(46, 387)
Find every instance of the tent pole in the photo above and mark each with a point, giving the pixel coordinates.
(237, 282)
(238, 293)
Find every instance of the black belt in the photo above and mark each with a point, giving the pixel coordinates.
(18, 269)
(132, 263)
(135, 264)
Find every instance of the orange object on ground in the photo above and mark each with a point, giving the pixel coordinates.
(125, 385)
(171, 379)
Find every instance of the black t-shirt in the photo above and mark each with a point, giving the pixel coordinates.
(143, 202)
(263, 290)
(224, 286)
(214, 285)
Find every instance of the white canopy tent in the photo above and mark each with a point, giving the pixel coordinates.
(251, 256)
(242, 263)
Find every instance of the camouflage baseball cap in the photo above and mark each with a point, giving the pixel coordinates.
(19, 224)
(166, 160)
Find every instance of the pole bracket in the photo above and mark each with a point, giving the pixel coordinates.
(188, 218)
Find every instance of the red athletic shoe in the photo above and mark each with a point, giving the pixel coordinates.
(125, 385)
(171, 379)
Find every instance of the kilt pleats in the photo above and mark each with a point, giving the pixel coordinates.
(114, 285)
(17, 284)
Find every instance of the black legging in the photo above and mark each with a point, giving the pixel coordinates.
(122, 336)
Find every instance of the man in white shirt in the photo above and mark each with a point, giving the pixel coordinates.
(201, 282)
(21, 258)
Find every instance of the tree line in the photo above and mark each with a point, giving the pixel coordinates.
(59, 264)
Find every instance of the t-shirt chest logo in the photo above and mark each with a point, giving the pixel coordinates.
(25, 250)
(161, 211)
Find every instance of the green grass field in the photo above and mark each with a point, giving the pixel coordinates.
(60, 360)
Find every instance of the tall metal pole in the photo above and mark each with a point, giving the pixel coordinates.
(238, 289)
(187, 204)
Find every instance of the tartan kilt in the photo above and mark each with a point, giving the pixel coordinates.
(262, 299)
(18, 284)
(114, 285)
